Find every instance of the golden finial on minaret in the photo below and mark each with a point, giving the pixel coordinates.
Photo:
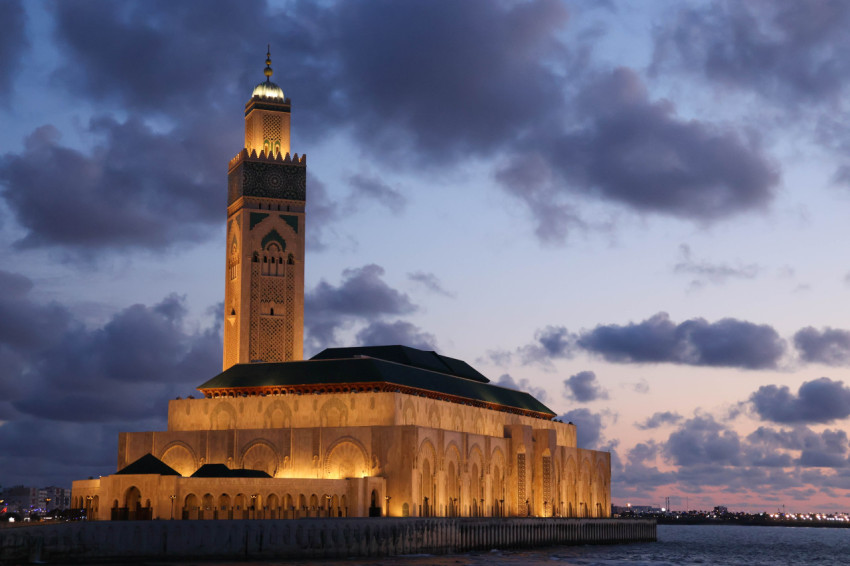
(268, 70)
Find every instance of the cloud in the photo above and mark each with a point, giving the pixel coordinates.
(717, 273)
(583, 387)
(659, 419)
(725, 343)
(163, 57)
(13, 43)
(549, 343)
(138, 189)
(380, 333)
(627, 149)
(69, 387)
(818, 401)
(125, 370)
(829, 346)
(588, 427)
(775, 448)
(430, 282)
(507, 380)
(783, 50)
(362, 296)
(371, 187)
(323, 211)
(701, 441)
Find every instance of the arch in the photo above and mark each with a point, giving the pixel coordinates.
(273, 236)
(207, 502)
(132, 498)
(224, 502)
(333, 413)
(476, 456)
(260, 455)
(180, 456)
(190, 502)
(346, 458)
(277, 415)
(223, 417)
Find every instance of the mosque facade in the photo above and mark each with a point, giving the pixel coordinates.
(351, 432)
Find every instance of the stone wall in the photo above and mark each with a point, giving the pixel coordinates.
(87, 542)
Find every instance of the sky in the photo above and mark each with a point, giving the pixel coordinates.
(633, 210)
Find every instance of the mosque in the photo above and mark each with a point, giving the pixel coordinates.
(351, 432)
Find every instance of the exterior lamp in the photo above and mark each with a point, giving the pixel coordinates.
(387, 498)
(172, 497)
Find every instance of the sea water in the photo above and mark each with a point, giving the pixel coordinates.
(677, 545)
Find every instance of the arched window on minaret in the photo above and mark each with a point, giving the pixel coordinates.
(256, 257)
(291, 260)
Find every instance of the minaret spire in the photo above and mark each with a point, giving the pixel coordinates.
(268, 70)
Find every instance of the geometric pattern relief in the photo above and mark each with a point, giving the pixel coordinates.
(547, 480)
(521, 495)
(271, 337)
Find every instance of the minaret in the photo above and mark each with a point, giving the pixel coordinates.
(264, 280)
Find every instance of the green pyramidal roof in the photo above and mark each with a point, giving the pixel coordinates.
(401, 366)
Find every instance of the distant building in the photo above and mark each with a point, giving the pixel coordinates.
(20, 499)
(382, 430)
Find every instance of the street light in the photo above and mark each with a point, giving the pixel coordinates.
(173, 497)
(387, 497)
(254, 503)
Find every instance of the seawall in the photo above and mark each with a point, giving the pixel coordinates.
(87, 542)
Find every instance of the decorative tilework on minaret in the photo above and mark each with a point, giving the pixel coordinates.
(266, 194)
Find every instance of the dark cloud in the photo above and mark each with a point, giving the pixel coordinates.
(725, 343)
(818, 401)
(785, 50)
(549, 343)
(584, 387)
(588, 427)
(659, 419)
(350, 63)
(68, 387)
(396, 74)
(430, 282)
(138, 189)
(706, 272)
(163, 57)
(13, 43)
(362, 297)
(507, 380)
(829, 346)
(776, 448)
(380, 333)
(350, 70)
(125, 370)
(322, 212)
(701, 441)
(370, 187)
(628, 149)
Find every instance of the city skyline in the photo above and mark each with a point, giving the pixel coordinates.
(624, 208)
